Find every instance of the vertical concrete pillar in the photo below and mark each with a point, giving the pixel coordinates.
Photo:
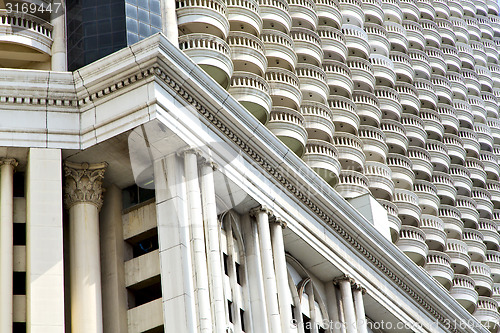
(169, 18)
(211, 225)
(333, 307)
(266, 251)
(281, 274)
(360, 309)
(44, 242)
(174, 245)
(348, 305)
(7, 166)
(84, 200)
(58, 21)
(114, 294)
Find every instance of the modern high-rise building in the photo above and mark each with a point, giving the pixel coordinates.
(257, 166)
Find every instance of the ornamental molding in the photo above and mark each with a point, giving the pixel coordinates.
(84, 183)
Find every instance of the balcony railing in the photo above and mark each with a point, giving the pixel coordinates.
(408, 209)
(322, 157)
(435, 236)
(412, 243)
(428, 199)
(449, 118)
(352, 184)
(245, 15)
(374, 145)
(475, 246)
(203, 16)
(329, 13)
(379, 180)
(252, 92)
(451, 218)
(463, 290)
(401, 171)
(275, 14)
(461, 179)
(279, 49)
(288, 125)
(446, 190)
(333, 43)
(481, 274)
(460, 259)
(395, 136)
(350, 151)
(421, 161)
(318, 120)
(439, 267)
(303, 13)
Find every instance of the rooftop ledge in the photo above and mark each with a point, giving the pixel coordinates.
(75, 111)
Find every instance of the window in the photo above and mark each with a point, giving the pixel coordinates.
(134, 195)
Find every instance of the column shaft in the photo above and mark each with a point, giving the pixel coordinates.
(360, 310)
(348, 305)
(170, 28)
(6, 244)
(58, 21)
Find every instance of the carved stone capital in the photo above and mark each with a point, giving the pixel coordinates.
(187, 151)
(279, 221)
(261, 209)
(84, 183)
(339, 279)
(207, 161)
(9, 161)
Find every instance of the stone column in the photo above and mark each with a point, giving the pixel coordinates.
(83, 199)
(281, 273)
(58, 21)
(6, 242)
(348, 304)
(334, 307)
(262, 216)
(359, 305)
(169, 19)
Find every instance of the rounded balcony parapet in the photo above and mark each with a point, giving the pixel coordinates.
(352, 184)
(495, 24)
(478, 108)
(318, 120)
(392, 10)
(427, 9)
(487, 313)
(461, 179)
(350, 151)
(368, 107)
(431, 32)
(436, 60)
(426, 93)
(410, 10)
(307, 45)
(244, 15)
(352, 12)
(392, 215)
(460, 259)
(312, 81)
(493, 261)
(473, 27)
(451, 58)
(442, 8)
(284, 87)
(344, 112)
(356, 41)
(446, 190)
(490, 162)
(483, 201)
(379, 180)
(247, 52)
(252, 91)
(377, 38)
(279, 49)
(415, 131)
(421, 159)
(303, 13)
(490, 103)
(333, 43)
(460, 29)
(466, 54)
(322, 157)
(439, 155)
(439, 267)
(408, 209)
(464, 113)
(481, 274)
(397, 36)
(494, 124)
(433, 123)
(485, 27)
(374, 145)
(383, 70)
(200, 16)
(329, 13)
(477, 173)
(470, 141)
(456, 9)
(445, 28)
(467, 207)
(490, 47)
(401, 169)
(458, 87)
(463, 290)
(412, 243)
(361, 73)
(373, 11)
(288, 125)
(338, 78)
(443, 88)
(427, 196)
(435, 236)
(453, 224)
(395, 134)
(449, 118)
(478, 52)
(389, 102)
(275, 14)
(491, 237)
(415, 35)
(402, 66)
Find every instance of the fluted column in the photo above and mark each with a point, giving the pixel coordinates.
(83, 199)
(348, 304)
(262, 216)
(6, 242)
(211, 225)
(281, 273)
(359, 306)
(58, 21)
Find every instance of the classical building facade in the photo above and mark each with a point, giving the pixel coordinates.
(254, 166)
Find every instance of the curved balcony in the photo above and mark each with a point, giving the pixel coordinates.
(352, 12)
(368, 108)
(493, 262)
(466, 54)
(279, 49)
(481, 274)
(494, 124)
(322, 157)
(426, 93)
(244, 15)
(438, 265)
(485, 27)
(475, 246)
(344, 113)
(247, 53)
(496, 217)
(490, 104)
(389, 102)
(477, 173)
(303, 13)
(338, 78)
(490, 162)
(468, 211)
(460, 29)
(484, 136)
(415, 35)
(361, 73)
(284, 88)
(392, 216)
(427, 9)
(410, 10)
(460, 259)
(470, 141)
(462, 290)
(402, 67)
(356, 41)
(408, 96)
(333, 43)
(312, 81)
(207, 17)
(495, 23)
(379, 180)
(396, 34)
(445, 29)
(491, 51)
(435, 236)
(431, 33)
(352, 184)
(448, 118)
(483, 202)
(421, 160)
(436, 60)
(288, 125)
(211, 53)
(487, 313)
(275, 14)
(427, 196)
(496, 292)
(478, 109)
(491, 237)
(412, 243)
(492, 7)
(496, 150)
(307, 45)
(252, 92)
(456, 9)
(479, 52)
(451, 58)
(408, 209)
(485, 79)
(458, 87)
(392, 11)
(453, 225)
(461, 179)
(464, 113)
(493, 187)
(329, 13)
(377, 38)
(374, 145)
(481, 7)
(439, 155)
(433, 124)
(443, 88)
(350, 150)
(473, 27)
(442, 9)
(383, 70)
(401, 171)
(373, 11)
(317, 121)
(446, 190)
(414, 130)
(395, 136)
(420, 63)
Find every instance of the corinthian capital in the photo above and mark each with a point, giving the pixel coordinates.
(84, 183)
(8, 161)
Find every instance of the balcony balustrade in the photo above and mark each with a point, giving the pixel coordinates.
(442, 9)
(481, 7)
(356, 41)
(352, 12)
(485, 27)
(379, 180)
(491, 51)
(401, 171)
(493, 187)
(338, 78)
(414, 34)
(318, 120)
(344, 113)
(395, 136)
(408, 96)
(494, 124)
(431, 33)
(468, 211)
(453, 225)
(466, 54)
(415, 131)
(446, 190)
(333, 43)
(284, 88)
(373, 11)
(435, 236)
(460, 259)
(312, 80)
(374, 145)
(483, 202)
(484, 136)
(322, 157)
(412, 243)
(438, 265)
(464, 113)
(383, 70)
(307, 46)
(493, 262)
(350, 151)
(433, 124)
(193, 17)
(495, 24)
(410, 10)
(421, 161)
(352, 184)
(449, 118)
(478, 109)
(436, 60)
(392, 10)
(490, 162)
(439, 155)
(473, 27)
(244, 16)
(247, 53)
(456, 9)
(275, 14)
(481, 274)
(361, 73)
(402, 66)
(451, 58)
(445, 28)
(487, 313)
(409, 211)
(367, 106)
(492, 7)
(426, 93)
(475, 246)
(397, 36)
(389, 102)
(458, 87)
(377, 38)
(443, 88)
(491, 237)
(329, 14)
(462, 290)
(460, 29)
(427, 9)
(484, 77)
(288, 125)
(490, 104)
(428, 199)
(461, 179)
(303, 13)
(470, 141)
(393, 219)
(252, 91)
(279, 49)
